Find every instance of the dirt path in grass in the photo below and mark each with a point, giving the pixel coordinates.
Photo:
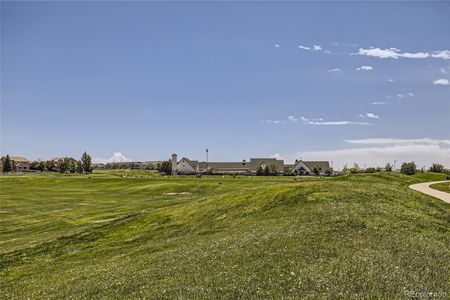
(425, 188)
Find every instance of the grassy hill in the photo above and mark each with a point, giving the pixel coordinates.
(137, 235)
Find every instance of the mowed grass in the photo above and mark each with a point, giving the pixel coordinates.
(137, 235)
(443, 186)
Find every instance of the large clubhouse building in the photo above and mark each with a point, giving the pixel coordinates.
(273, 165)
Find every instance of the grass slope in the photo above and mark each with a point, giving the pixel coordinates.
(444, 186)
(108, 236)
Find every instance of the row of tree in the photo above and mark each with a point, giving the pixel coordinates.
(63, 165)
(406, 168)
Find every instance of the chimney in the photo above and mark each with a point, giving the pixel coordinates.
(296, 161)
(174, 164)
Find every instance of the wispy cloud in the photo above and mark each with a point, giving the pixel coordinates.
(391, 80)
(116, 157)
(277, 45)
(370, 115)
(396, 53)
(378, 151)
(365, 68)
(392, 141)
(272, 121)
(334, 70)
(443, 70)
(322, 122)
(441, 81)
(379, 102)
(314, 48)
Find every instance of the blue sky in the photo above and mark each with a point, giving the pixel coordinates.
(349, 82)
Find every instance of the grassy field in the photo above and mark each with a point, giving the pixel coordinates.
(137, 235)
(444, 186)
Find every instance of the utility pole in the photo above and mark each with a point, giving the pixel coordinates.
(206, 159)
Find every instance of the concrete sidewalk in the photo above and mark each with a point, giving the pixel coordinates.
(425, 188)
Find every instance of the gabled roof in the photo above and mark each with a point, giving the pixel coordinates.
(323, 165)
(19, 159)
(255, 163)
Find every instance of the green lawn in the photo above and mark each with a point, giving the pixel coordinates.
(137, 235)
(444, 186)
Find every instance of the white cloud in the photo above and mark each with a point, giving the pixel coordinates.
(443, 71)
(365, 68)
(272, 121)
(378, 102)
(314, 48)
(410, 94)
(444, 54)
(391, 80)
(395, 53)
(441, 81)
(334, 70)
(116, 157)
(391, 141)
(321, 122)
(378, 151)
(372, 115)
(277, 45)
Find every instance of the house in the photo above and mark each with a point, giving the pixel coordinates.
(275, 166)
(301, 167)
(21, 164)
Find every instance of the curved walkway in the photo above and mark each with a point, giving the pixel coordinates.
(425, 188)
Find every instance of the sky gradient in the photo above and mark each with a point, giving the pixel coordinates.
(348, 82)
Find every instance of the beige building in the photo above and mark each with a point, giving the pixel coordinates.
(275, 166)
(21, 164)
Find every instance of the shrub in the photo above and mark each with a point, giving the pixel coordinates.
(408, 168)
(437, 168)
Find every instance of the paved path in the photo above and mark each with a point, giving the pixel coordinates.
(425, 188)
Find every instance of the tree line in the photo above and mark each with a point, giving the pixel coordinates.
(63, 165)
(407, 168)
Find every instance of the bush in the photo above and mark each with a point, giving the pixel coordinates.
(408, 168)
(437, 168)
(388, 167)
(371, 170)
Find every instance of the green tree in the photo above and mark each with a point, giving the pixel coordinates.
(388, 167)
(408, 168)
(41, 166)
(259, 171)
(328, 171)
(371, 170)
(165, 167)
(86, 162)
(316, 170)
(63, 165)
(50, 165)
(79, 167)
(437, 168)
(7, 164)
(266, 171)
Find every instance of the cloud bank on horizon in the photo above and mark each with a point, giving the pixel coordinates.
(376, 152)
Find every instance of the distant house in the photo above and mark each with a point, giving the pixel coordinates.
(21, 164)
(307, 167)
(275, 166)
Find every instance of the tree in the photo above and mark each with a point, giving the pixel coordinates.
(86, 162)
(63, 165)
(266, 171)
(316, 170)
(259, 171)
(328, 171)
(7, 164)
(388, 167)
(371, 170)
(79, 167)
(437, 168)
(72, 165)
(165, 167)
(408, 168)
(50, 165)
